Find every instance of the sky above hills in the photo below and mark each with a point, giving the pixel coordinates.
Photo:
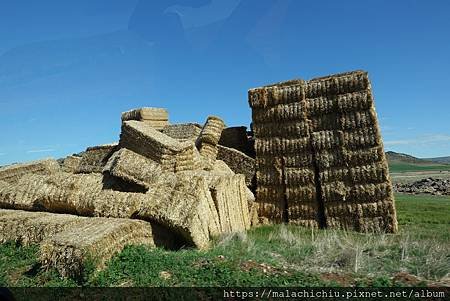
(69, 68)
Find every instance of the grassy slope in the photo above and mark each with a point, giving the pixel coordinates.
(272, 255)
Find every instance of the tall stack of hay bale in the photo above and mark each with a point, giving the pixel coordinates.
(320, 158)
(157, 118)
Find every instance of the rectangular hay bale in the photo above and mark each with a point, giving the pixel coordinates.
(13, 173)
(93, 241)
(96, 157)
(134, 168)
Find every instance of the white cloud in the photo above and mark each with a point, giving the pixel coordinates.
(421, 140)
(48, 150)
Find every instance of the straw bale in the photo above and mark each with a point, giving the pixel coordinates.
(188, 131)
(299, 176)
(371, 173)
(79, 194)
(183, 204)
(253, 214)
(142, 114)
(304, 213)
(269, 193)
(211, 131)
(329, 158)
(270, 212)
(27, 228)
(232, 199)
(282, 145)
(321, 106)
(362, 138)
(334, 158)
(269, 175)
(287, 129)
(290, 160)
(146, 141)
(237, 138)
(370, 192)
(358, 119)
(209, 154)
(230, 196)
(300, 194)
(364, 217)
(335, 191)
(95, 158)
(356, 101)
(296, 111)
(134, 168)
(156, 124)
(93, 241)
(283, 92)
(13, 173)
(364, 156)
(220, 167)
(71, 164)
(327, 140)
(342, 83)
(334, 174)
(239, 162)
(328, 122)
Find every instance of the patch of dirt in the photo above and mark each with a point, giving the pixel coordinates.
(406, 278)
(412, 280)
(341, 279)
(249, 265)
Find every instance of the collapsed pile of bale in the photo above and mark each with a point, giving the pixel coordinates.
(319, 155)
(170, 179)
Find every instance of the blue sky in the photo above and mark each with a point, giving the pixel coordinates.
(69, 68)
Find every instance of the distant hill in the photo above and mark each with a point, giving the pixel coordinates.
(393, 156)
(399, 162)
(442, 160)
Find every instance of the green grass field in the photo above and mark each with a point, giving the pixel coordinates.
(272, 256)
(411, 167)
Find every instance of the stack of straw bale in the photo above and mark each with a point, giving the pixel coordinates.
(353, 172)
(171, 154)
(286, 190)
(209, 138)
(13, 173)
(157, 118)
(95, 158)
(320, 159)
